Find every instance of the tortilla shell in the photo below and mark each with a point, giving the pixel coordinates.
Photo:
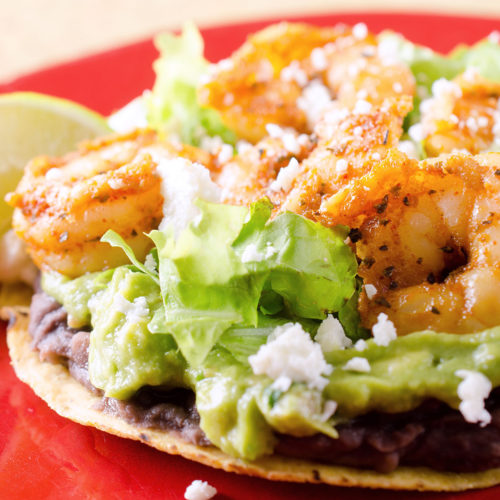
(70, 399)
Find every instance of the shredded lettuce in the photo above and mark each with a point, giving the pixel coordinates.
(233, 266)
(172, 106)
(115, 240)
(215, 274)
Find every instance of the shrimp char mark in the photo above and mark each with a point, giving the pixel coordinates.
(64, 206)
(427, 238)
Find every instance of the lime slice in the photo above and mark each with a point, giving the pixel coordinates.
(35, 124)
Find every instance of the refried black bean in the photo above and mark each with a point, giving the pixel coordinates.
(432, 435)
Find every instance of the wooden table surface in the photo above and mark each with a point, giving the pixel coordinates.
(38, 33)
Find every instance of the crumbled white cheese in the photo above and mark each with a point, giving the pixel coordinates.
(225, 153)
(286, 176)
(388, 51)
(360, 31)
(397, 87)
(199, 490)
(290, 143)
(471, 74)
(443, 88)
(331, 336)
(472, 124)
(362, 107)
(383, 330)
(376, 156)
(243, 146)
(416, 132)
(341, 166)
(303, 140)
(54, 174)
(314, 100)
(290, 353)
(211, 144)
(333, 117)
(251, 254)
(473, 390)
(358, 131)
(362, 94)
(282, 383)
(360, 345)
(115, 183)
(224, 65)
(483, 121)
(150, 262)
(133, 311)
(294, 73)
(357, 364)
(182, 182)
(370, 291)
(130, 117)
(216, 146)
(408, 148)
(265, 71)
(270, 250)
(274, 131)
(318, 59)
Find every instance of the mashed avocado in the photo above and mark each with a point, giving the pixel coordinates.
(211, 298)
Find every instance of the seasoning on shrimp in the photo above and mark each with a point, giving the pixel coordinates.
(442, 268)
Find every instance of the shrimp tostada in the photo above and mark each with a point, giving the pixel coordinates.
(293, 273)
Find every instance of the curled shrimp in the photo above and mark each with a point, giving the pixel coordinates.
(349, 146)
(462, 115)
(428, 239)
(285, 73)
(63, 206)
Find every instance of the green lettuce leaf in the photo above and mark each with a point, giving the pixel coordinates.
(172, 106)
(302, 255)
(115, 240)
(351, 320)
(219, 270)
(205, 286)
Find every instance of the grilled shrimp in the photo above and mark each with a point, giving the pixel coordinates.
(349, 145)
(287, 73)
(249, 175)
(463, 114)
(64, 206)
(428, 239)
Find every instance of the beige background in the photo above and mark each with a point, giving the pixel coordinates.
(37, 33)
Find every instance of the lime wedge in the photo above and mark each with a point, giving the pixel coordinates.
(34, 124)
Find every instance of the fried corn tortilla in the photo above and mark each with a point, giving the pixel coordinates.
(66, 396)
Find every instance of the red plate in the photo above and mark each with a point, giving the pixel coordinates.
(45, 456)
